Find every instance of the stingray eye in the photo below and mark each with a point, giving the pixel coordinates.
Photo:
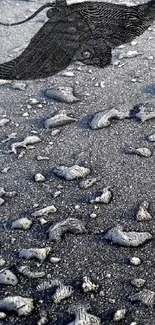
(86, 55)
(50, 13)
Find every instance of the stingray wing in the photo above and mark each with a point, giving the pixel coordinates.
(52, 48)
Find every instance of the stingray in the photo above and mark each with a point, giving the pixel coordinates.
(85, 32)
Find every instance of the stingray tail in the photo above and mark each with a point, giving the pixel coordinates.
(7, 70)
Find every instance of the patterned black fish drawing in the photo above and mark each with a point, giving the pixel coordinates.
(86, 32)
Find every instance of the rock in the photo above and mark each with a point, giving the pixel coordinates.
(8, 278)
(119, 315)
(62, 94)
(105, 197)
(103, 119)
(44, 212)
(71, 225)
(59, 118)
(38, 253)
(22, 223)
(145, 297)
(22, 306)
(71, 173)
(142, 213)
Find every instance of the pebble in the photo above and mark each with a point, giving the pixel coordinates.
(42, 221)
(119, 315)
(103, 119)
(2, 315)
(59, 118)
(151, 137)
(55, 259)
(4, 121)
(25, 270)
(105, 196)
(55, 132)
(56, 194)
(93, 215)
(132, 238)
(67, 74)
(142, 152)
(8, 278)
(2, 262)
(18, 85)
(39, 177)
(71, 173)
(144, 296)
(136, 261)
(38, 253)
(22, 223)
(32, 139)
(142, 213)
(138, 282)
(71, 225)
(62, 94)
(40, 158)
(129, 54)
(44, 212)
(22, 306)
(88, 285)
(1, 201)
(90, 181)
(143, 112)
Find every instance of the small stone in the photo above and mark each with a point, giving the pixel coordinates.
(151, 137)
(4, 121)
(119, 315)
(55, 260)
(44, 212)
(42, 221)
(142, 213)
(135, 261)
(18, 85)
(59, 118)
(56, 194)
(71, 173)
(62, 94)
(144, 296)
(22, 223)
(1, 201)
(129, 54)
(22, 306)
(8, 278)
(2, 262)
(105, 196)
(138, 282)
(93, 215)
(39, 177)
(40, 158)
(38, 253)
(34, 101)
(26, 114)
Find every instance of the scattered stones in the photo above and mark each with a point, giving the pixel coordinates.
(71, 225)
(62, 292)
(4, 121)
(8, 278)
(142, 152)
(59, 118)
(88, 285)
(25, 270)
(22, 306)
(39, 177)
(62, 94)
(22, 223)
(44, 212)
(105, 197)
(143, 112)
(142, 213)
(132, 238)
(103, 119)
(32, 139)
(90, 181)
(138, 282)
(38, 253)
(136, 261)
(151, 137)
(119, 315)
(71, 173)
(145, 297)
(82, 317)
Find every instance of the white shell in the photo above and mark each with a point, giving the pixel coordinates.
(142, 213)
(44, 212)
(72, 225)
(132, 238)
(8, 278)
(71, 173)
(38, 253)
(22, 223)
(22, 306)
(145, 296)
(103, 119)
